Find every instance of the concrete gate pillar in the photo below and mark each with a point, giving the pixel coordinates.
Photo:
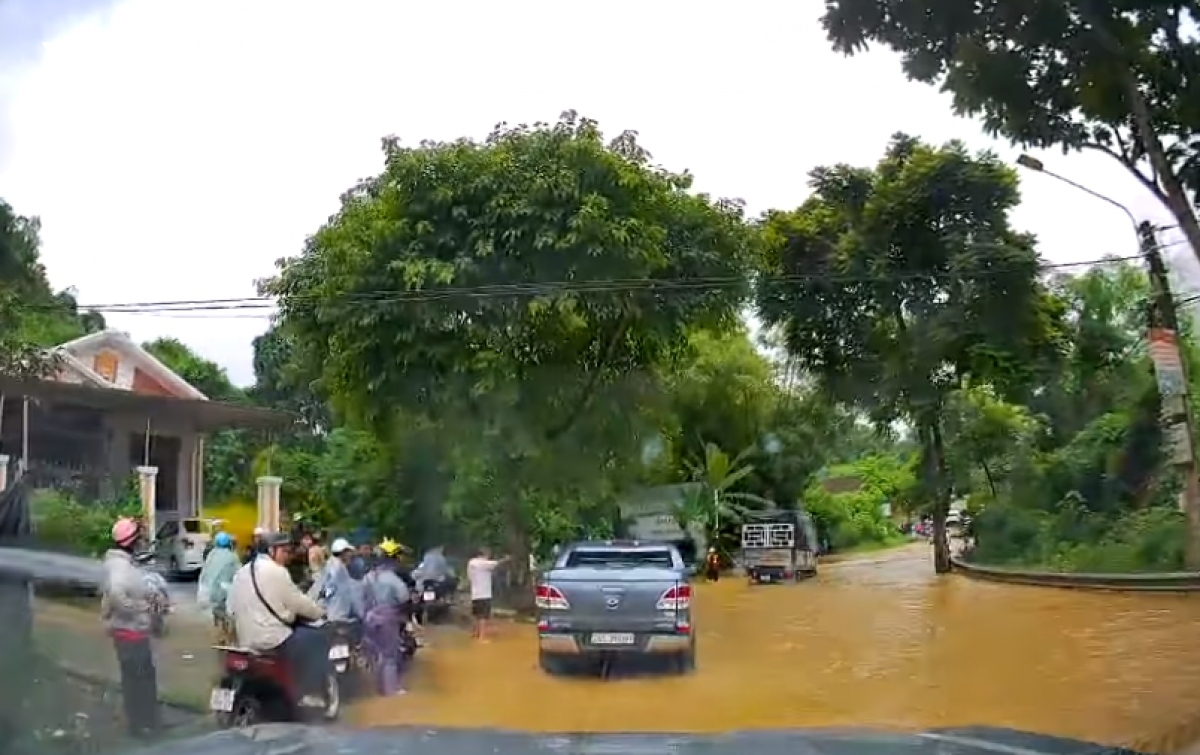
(268, 502)
(3, 472)
(148, 492)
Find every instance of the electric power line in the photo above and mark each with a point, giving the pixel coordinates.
(534, 289)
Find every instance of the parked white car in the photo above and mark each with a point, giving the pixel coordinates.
(179, 545)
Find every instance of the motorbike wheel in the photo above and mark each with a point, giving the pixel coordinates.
(247, 711)
(333, 698)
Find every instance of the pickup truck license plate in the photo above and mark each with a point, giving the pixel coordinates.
(612, 638)
(221, 700)
(339, 651)
(428, 596)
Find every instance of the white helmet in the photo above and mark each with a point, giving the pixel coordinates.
(341, 545)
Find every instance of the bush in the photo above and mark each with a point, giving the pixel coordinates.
(65, 524)
(856, 518)
(1072, 539)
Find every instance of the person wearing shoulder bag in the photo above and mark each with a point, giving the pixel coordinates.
(270, 611)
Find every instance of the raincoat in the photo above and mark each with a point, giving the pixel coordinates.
(388, 598)
(434, 566)
(336, 592)
(215, 577)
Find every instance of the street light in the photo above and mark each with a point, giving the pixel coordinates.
(1032, 163)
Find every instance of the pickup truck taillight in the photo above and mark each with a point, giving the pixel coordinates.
(550, 598)
(677, 598)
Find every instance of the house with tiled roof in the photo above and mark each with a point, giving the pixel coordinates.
(109, 410)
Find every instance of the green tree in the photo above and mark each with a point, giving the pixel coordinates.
(722, 391)
(33, 317)
(281, 382)
(519, 294)
(1103, 364)
(891, 285)
(715, 505)
(1119, 78)
(204, 375)
(987, 435)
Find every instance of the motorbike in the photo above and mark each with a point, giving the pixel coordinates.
(256, 688)
(435, 597)
(348, 657)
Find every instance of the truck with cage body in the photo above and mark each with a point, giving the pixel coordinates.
(779, 546)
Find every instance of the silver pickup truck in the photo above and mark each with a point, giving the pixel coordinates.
(606, 598)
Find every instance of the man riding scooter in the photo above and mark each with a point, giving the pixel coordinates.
(435, 575)
(336, 590)
(269, 612)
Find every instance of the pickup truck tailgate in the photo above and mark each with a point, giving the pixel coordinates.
(617, 599)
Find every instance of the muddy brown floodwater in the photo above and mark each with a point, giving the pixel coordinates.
(879, 642)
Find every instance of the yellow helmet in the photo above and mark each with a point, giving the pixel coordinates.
(389, 547)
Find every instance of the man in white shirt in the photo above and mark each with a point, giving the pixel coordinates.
(480, 571)
(266, 604)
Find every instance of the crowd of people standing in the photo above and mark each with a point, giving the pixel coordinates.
(269, 598)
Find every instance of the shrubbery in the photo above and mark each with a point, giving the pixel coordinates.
(1073, 539)
(63, 523)
(856, 518)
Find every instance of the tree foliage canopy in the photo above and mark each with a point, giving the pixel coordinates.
(896, 284)
(1119, 77)
(465, 266)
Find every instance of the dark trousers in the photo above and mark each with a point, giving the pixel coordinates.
(139, 686)
(307, 652)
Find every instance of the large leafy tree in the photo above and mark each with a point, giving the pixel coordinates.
(519, 293)
(1118, 77)
(892, 285)
(726, 393)
(283, 382)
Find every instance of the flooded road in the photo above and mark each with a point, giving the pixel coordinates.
(879, 642)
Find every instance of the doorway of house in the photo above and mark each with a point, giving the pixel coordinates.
(165, 451)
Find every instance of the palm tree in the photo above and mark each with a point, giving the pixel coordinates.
(714, 502)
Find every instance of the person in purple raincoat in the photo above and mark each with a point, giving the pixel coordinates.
(387, 599)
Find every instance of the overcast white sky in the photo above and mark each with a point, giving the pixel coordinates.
(174, 150)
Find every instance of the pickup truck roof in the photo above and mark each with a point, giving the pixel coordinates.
(620, 552)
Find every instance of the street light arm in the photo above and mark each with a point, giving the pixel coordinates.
(1132, 220)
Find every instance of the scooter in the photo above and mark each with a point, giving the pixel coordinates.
(435, 598)
(259, 688)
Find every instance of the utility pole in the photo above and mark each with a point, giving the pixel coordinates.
(1171, 373)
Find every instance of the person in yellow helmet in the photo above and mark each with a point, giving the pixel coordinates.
(389, 602)
(390, 547)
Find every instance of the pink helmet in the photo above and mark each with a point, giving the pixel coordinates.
(125, 531)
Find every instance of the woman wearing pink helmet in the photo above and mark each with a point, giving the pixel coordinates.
(132, 606)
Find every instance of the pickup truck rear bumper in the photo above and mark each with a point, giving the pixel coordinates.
(575, 643)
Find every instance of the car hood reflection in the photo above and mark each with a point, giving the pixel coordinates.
(305, 740)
